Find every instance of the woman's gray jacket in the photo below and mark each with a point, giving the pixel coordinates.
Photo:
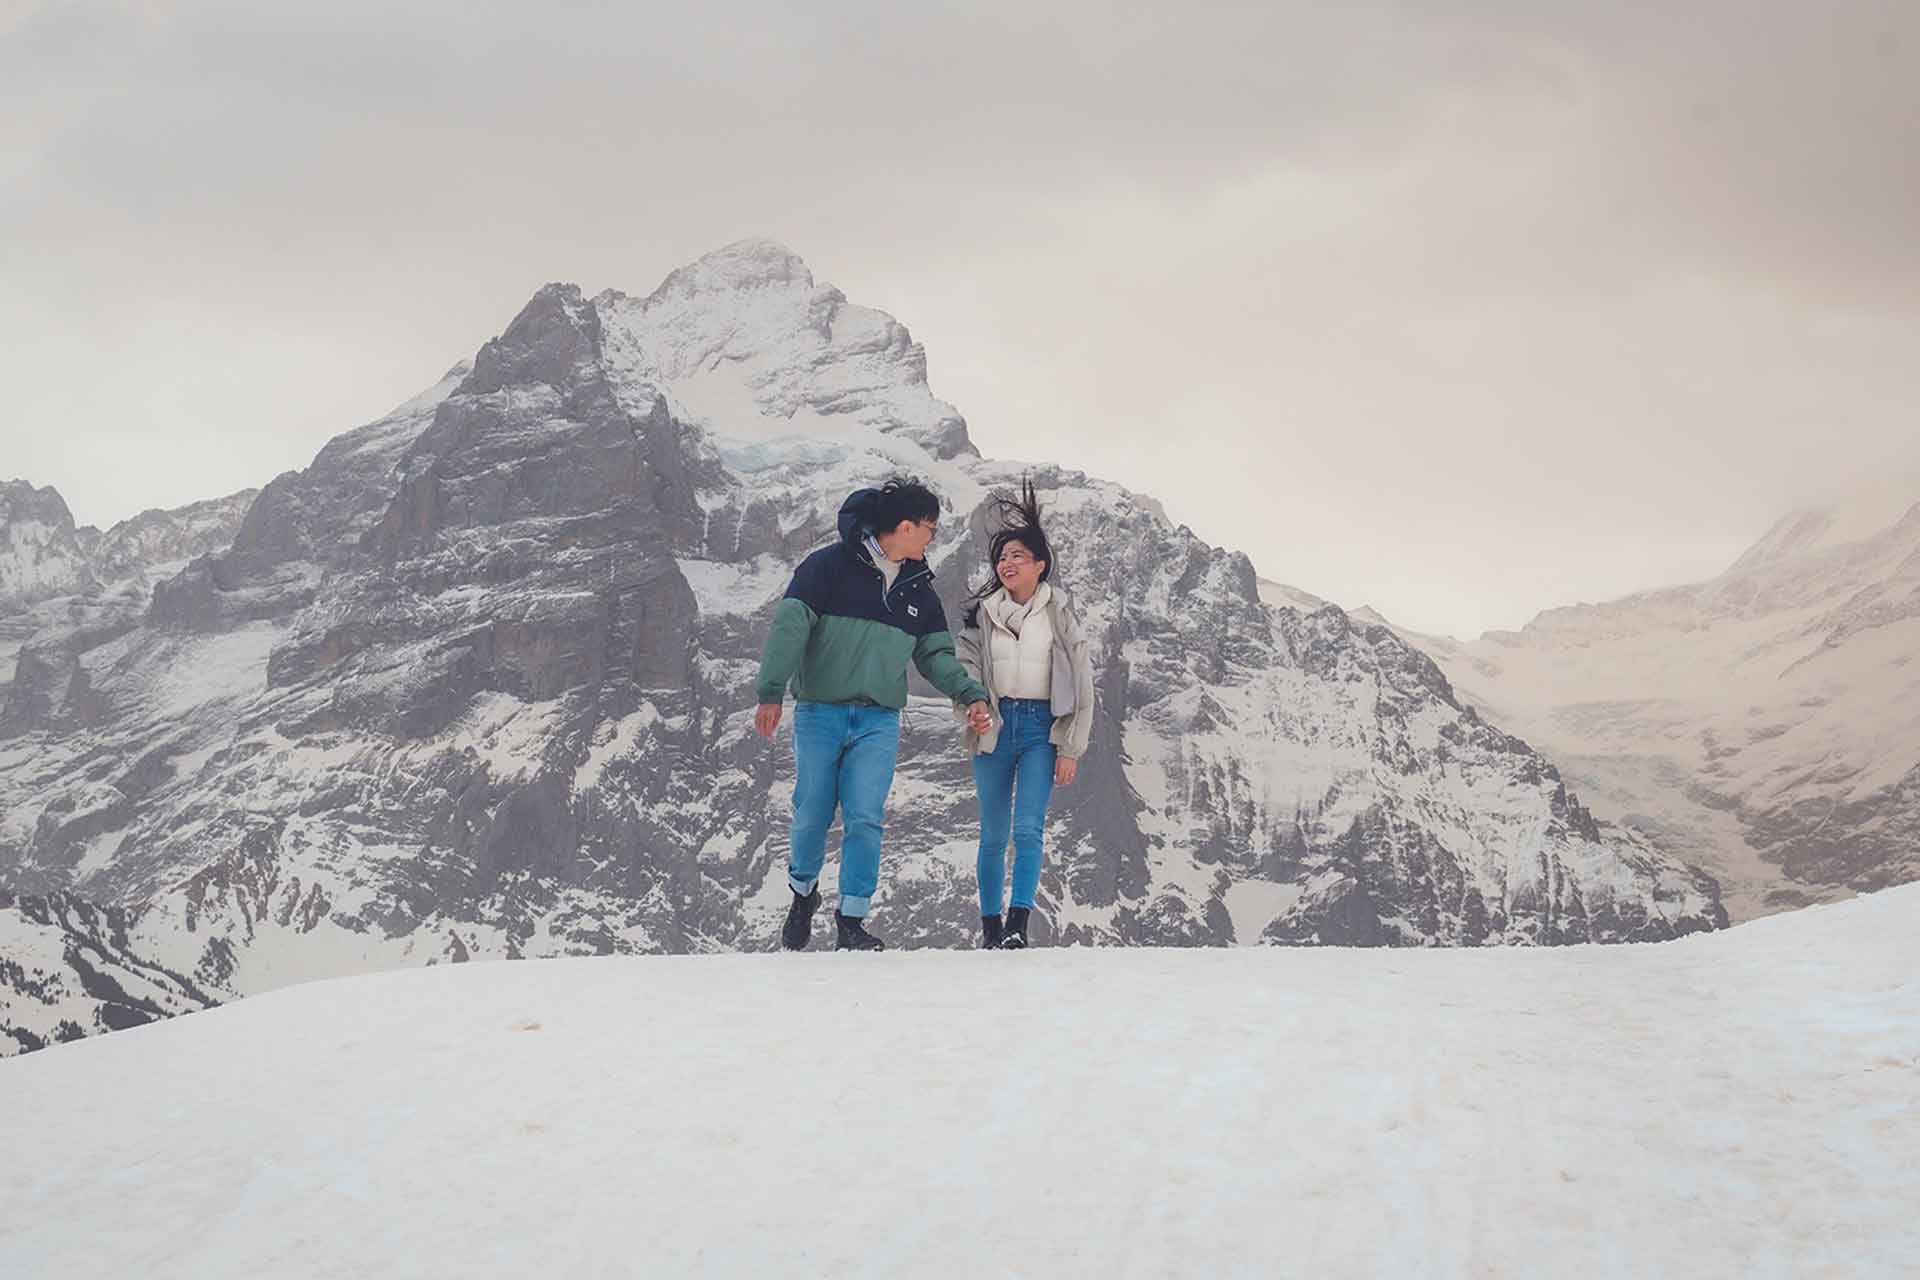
(1072, 680)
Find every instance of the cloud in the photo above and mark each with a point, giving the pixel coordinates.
(1484, 296)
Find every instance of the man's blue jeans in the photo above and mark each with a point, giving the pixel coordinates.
(1015, 781)
(843, 756)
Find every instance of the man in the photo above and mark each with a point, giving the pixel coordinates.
(854, 614)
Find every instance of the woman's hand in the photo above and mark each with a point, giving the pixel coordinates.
(978, 718)
(1064, 770)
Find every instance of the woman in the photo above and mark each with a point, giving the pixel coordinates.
(1021, 639)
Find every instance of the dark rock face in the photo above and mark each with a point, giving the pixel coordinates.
(478, 683)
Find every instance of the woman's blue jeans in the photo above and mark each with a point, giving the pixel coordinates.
(1014, 781)
(843, 756)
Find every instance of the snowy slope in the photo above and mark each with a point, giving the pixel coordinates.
(478, 683)
(68, 970)
(1745, 1104)
(1764, 724)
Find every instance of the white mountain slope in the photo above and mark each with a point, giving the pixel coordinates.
(1743, 1104)
(478, 683)
(1764, 725)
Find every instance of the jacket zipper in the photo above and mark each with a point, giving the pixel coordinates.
(898, 583)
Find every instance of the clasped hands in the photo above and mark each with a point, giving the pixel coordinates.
(766, 718)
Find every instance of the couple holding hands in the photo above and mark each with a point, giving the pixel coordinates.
(855, 614)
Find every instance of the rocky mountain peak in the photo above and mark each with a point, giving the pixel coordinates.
(554, 336)
(41, 553)
(22, 499)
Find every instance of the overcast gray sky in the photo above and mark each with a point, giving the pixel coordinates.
(1458, 310)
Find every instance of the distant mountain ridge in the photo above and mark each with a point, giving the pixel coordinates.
(1764, 724)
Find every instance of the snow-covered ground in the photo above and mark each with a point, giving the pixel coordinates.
(1739, 1104)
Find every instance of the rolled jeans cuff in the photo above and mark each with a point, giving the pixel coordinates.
(855, 908)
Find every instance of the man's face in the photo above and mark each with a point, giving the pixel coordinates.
(911, 538)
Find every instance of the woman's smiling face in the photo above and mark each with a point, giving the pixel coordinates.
(1017, 570)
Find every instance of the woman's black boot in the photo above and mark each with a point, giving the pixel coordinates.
(989, 932)
(850, 934)
(1014, 936)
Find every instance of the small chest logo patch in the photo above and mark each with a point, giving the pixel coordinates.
(913, 611)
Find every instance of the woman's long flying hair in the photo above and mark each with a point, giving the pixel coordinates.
(1019, 521)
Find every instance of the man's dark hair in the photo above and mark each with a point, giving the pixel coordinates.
(903, 498)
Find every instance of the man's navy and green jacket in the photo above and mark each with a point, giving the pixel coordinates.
(841, 636)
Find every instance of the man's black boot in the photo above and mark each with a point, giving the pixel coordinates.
(853, 935)
(989, 932)
(799, 928)
(1014, 936)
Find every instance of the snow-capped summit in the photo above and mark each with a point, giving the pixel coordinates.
(753, 263)
(479, 682)
(746, 345)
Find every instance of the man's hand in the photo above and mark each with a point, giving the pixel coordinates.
(766, 718)
(1064, 770)
(979, 719)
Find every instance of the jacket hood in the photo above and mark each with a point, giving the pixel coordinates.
(856, 516)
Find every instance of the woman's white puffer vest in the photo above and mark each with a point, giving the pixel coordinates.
(1022, 641)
